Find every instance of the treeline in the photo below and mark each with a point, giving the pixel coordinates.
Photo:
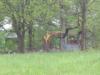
(31, 19)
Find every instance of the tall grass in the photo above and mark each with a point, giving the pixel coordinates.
(53, 63)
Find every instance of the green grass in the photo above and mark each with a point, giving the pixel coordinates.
(53, 63)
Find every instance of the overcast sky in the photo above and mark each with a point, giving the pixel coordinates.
(7, 24)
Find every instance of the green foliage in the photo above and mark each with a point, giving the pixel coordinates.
(2, 40)
(10, 44)
(7, 45)
(56, 42)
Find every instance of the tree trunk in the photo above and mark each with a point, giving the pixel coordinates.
(21, 36)
(61, 5)
(30, 37)
(20, 43)
(83, 10)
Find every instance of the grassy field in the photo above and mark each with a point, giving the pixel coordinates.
(53, 63)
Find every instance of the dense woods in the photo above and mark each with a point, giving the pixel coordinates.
(31, 20)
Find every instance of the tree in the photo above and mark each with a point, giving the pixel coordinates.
(17, 13)
(83, 23)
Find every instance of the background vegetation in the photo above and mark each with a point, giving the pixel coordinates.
(31, 19)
